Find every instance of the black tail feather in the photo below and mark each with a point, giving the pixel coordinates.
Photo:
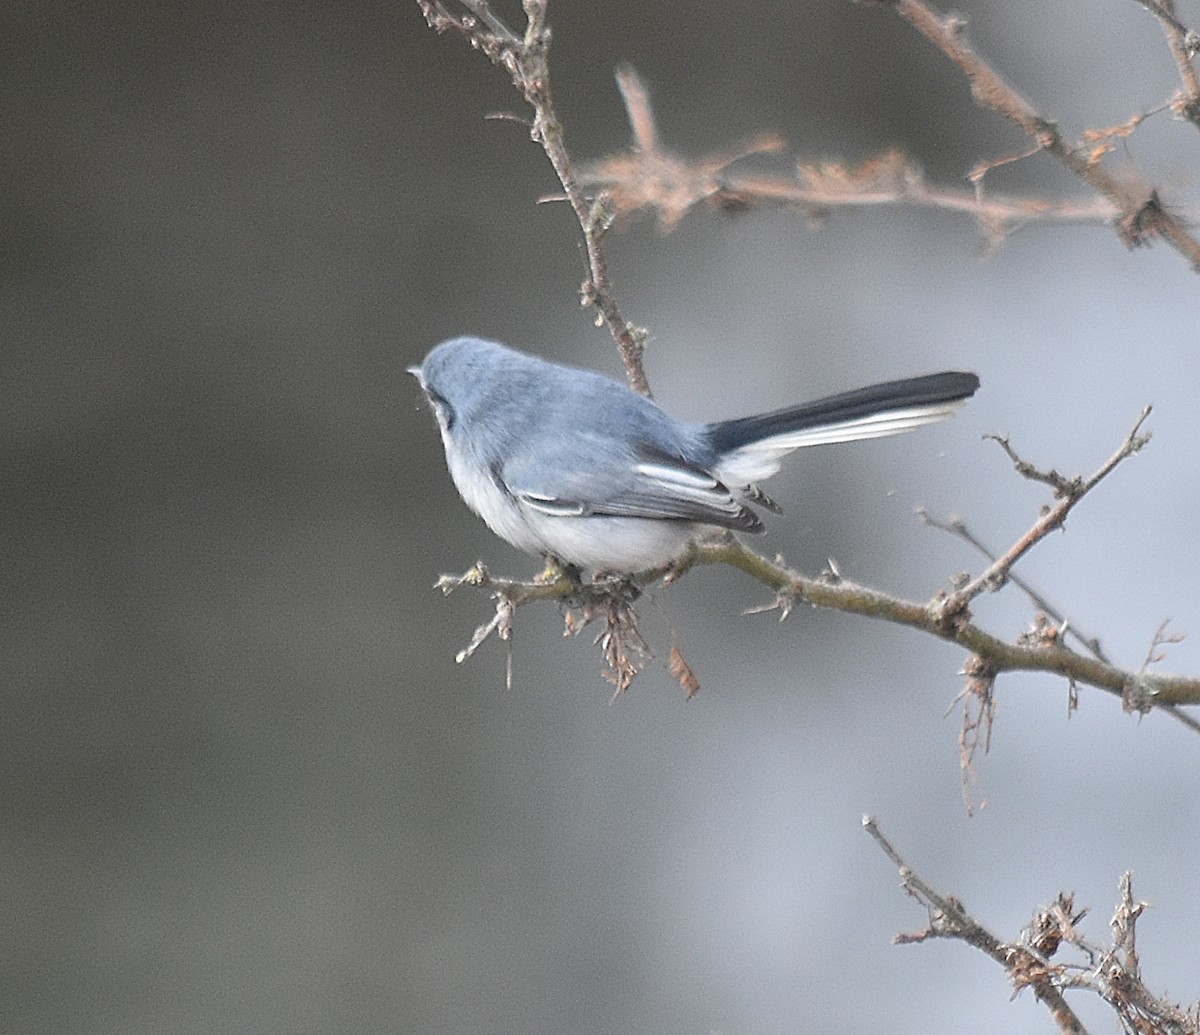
(948, 386)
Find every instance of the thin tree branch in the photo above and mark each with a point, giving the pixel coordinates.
(931, 618)
(1184, 44)
(1062, 626)
(526, 60)
(1142, 215)
(1112, 972)
(649, 177)
(1165, 13)
(957, 527)
(792, 587)
(1070, 491)
(948, 918)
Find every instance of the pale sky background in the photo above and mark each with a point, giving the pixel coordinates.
(246, 787)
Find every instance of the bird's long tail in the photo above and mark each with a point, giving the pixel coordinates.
(752, 447)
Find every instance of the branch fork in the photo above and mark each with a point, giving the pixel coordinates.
(1111, 972)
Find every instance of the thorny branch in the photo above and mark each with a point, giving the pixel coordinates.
(526, 60)
(650, 178)
(624, 648)
(957, 527)
(948, 918)
(946, 616)
(1184, 44)
(1141, 215)
(1069, 492)
(1112, 972)
(1050, 624)
(647, 177)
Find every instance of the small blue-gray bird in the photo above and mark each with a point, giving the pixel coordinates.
(572, 466)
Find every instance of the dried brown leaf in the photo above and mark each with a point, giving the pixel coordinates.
(682, 671)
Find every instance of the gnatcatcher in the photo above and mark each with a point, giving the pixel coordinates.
(570, 465)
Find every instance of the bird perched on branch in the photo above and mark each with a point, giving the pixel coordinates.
(567, 464)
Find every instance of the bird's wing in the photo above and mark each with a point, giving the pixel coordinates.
(583, 478)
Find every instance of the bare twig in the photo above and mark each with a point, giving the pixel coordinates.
(1180, 715)
(843, 595)
(1165, 13)
(1185, 44)
(948, 918)
(1069, 490)
(526, 59)
(647, 177)
(1142, 216)
(1111, 972)
(1118, 978)
(621, 642)
(1100, 142)
(1043, 634)
(1161, 639)
(957, 527)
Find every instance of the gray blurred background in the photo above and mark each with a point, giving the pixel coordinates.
(245, 786)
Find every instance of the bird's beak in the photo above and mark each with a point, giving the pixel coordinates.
(416, 372)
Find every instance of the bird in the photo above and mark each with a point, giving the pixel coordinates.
(569, 465)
